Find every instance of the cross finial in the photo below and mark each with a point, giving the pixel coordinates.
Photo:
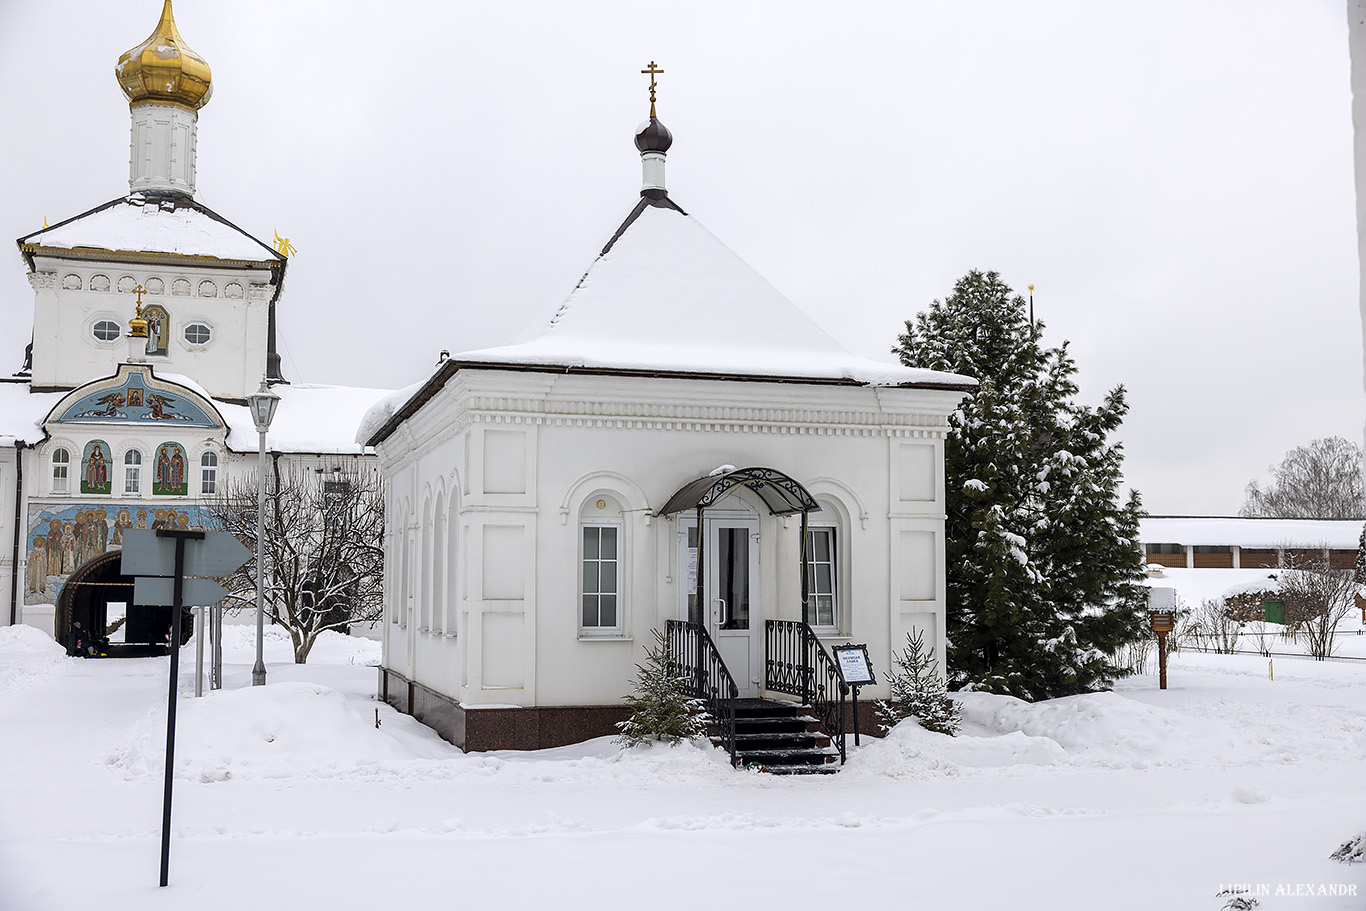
(653, 71)
(140, 292)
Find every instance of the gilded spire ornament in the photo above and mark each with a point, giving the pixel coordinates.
(653, 71)
(137, 326)
(283, 246)
(164, 69)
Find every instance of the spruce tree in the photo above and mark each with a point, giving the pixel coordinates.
(918, 691)
(661, 708)
(1045, 572)
(1359, 569)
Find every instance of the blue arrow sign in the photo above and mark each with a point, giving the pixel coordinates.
(146, 554)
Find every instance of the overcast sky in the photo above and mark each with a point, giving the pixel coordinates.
(1174, 178)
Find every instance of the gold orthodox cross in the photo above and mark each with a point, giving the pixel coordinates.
(653, 71)
(140, 292)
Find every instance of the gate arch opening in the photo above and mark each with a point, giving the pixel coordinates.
(92, 594)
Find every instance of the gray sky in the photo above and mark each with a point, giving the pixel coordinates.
(1175, 179)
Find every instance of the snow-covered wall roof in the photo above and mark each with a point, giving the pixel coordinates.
(320, 419)
(22, 413)
(141, 225)
(1258, 533)
(668, 296)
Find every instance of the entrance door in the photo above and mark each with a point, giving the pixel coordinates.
(731, 612)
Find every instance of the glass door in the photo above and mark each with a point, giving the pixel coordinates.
(731, 611)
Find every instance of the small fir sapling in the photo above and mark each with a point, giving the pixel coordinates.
(918, 691)
(661, 708)
(1353, 851)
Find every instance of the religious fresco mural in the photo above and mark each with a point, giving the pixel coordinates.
(95, 474)
(135, 401)
(169, 477)
(158, 329)
(65, 537)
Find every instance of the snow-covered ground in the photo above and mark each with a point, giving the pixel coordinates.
(289, 796)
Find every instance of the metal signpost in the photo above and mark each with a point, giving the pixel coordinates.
(151, 556)
(856, 670)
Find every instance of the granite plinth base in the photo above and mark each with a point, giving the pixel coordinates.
(479, 729)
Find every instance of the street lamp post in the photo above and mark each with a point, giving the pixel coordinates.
(262, 404)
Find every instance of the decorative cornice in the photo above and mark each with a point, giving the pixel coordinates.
(142, 256)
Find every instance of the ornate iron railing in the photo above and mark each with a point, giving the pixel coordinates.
(697, 661)
(796, 663)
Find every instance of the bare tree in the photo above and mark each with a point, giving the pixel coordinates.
(1317, 598)
(324, 533)
(1319, 481)
(1214, 622)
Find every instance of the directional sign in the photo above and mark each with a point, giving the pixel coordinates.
(157, 592)
(146, 554)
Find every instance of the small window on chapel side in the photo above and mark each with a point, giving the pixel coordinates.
(601, 575)
(198, 334)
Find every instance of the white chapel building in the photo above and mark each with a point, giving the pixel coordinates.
(153, 320)
(645, 461)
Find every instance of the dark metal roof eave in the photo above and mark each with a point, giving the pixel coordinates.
(274, 258)
(451, 367)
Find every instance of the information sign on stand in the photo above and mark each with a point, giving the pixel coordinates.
(856, 670)
(150, 556)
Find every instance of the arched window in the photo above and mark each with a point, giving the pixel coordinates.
(393, 568)
(452, 569)
(208, 473)
(405, 569)
(439, 565)
(61, 470)
(424, 622)
(824, 563)
(132, 471)
(601, 560)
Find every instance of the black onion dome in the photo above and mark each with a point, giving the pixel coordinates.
(653, 136)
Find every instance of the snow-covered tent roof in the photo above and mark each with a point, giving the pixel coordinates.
(1216, 531)
(667, 298)
(172, 225)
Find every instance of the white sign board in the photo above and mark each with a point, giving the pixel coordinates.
(853, 664)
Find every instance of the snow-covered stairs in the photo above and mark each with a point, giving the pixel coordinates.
(782, 738)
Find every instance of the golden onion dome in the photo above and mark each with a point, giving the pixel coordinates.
(164, 69)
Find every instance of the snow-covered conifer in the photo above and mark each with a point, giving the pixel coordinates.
(661, 708)
(1044, 570)
(919, 691)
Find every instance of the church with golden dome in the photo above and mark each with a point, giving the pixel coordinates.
(734, 482)
(154, 319)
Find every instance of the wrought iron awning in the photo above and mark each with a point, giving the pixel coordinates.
(782, 495)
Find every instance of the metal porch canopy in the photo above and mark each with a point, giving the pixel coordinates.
(783, 495)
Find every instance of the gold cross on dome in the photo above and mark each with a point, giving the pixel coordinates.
(140, 291)
(653, 71)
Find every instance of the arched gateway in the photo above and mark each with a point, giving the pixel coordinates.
(96, 593)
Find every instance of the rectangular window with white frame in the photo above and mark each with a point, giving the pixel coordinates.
(600, 580)
(822, 559)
